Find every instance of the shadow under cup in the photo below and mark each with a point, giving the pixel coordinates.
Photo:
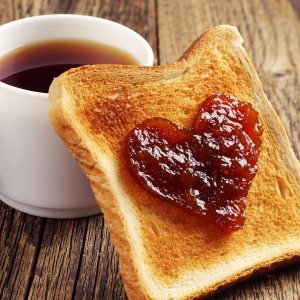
(38, 175)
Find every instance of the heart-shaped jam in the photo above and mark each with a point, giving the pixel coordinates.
(207, 169)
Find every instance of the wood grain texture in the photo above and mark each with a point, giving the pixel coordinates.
(20, 236)
(98, 276)
(57, 266)
(74, 259)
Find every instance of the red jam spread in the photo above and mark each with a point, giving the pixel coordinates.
(207, 169)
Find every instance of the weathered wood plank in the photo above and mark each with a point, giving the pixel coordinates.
(77, 260)
(59, 259)
(20, 236)
(99, 270)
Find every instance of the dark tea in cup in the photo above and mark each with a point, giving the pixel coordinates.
(34, 66)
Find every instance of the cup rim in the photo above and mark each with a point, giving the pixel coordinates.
(149, 51)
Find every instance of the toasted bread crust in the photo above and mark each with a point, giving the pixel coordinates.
(167, 253)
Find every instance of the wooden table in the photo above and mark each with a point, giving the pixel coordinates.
(74, 259)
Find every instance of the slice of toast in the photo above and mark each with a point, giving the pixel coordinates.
(165, 252)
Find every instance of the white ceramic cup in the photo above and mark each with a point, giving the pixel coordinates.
(38, 175)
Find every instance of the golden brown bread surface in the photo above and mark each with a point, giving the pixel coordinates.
(165, 252)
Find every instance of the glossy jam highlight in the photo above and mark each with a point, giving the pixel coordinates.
(207, 169)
